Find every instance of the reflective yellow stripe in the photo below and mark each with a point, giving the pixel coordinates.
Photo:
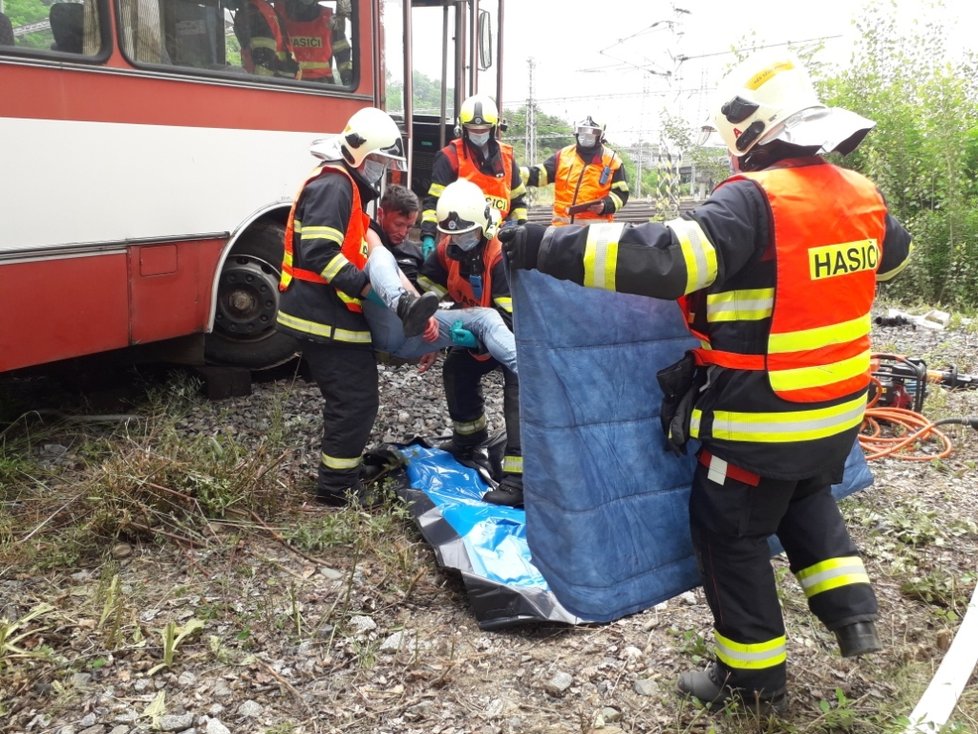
(428, 215)
(831, 574)
(794, 425)
(513, 464)
(751, 655)
(519, 191)
(615, 200)
(542, 179)
(890, 274)
(505, 303)
(428, 284)
(698, 252)
(339, 462)
(334, 266)
(821, 336)
(601, 255)
(518, 213)
(467, 429)
(263, 42)
(313, 64)
(319, 233)
(744, 305)
(436, 189)
(823, 374)
(345, 298)
(327, 331)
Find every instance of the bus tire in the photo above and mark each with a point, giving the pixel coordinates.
(244, 333)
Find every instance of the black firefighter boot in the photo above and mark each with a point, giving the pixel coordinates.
(508, 493)
(858, 638)
(709, 687)
(414, 311)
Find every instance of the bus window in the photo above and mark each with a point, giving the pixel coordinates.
(65, 27)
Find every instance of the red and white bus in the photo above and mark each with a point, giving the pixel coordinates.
(148, 167)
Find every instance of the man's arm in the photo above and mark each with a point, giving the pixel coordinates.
(897, 246)
(323, 217)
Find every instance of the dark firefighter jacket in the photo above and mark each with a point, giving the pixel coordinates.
(497, 175)
(326, 215)
(479, 280)
(725, 261)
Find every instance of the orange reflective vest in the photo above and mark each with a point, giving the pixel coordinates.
(818, 346)
(312, 45)
(577, 181)
(496, 188)
(458, 286)
(271, 19)
(354, 247)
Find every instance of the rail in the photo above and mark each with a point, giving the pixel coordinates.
(633, 211)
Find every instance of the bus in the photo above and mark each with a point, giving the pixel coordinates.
(149, 163)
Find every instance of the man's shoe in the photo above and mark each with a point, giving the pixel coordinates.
(706, 686)
(414, 311)
(508, 493)
(357, 495)
(858, 638)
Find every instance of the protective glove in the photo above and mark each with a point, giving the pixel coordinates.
(522, 245)
(462, 337)
(427, 246)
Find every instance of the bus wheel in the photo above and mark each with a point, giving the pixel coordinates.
(247, 301)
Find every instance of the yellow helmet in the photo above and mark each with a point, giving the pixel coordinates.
(462, 208)
(479, 109)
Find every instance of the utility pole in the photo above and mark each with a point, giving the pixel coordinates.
(531, 118)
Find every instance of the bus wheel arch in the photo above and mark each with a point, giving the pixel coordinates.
(244, 333)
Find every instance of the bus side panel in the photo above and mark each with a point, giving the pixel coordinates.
(60, 308)
(171, 288)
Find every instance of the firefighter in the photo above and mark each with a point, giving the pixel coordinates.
(776, 274)
(321, 289)
(317, 38)
(478, 156)
(467, 266)
(586, 171)
(264, 48)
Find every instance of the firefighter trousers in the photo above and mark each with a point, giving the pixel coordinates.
(347, 379)
(462, 376)
(730, 523)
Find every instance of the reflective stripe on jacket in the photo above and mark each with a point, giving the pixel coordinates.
(496, 188)
(312, 45)
(818, 345)
(577, 181)
(353, 249)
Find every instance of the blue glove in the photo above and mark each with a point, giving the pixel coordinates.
(427, 246)
(462, 337)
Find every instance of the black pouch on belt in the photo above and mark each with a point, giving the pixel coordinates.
(680, 382)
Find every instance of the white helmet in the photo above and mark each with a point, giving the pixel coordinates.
(463, 209)
(372, 132)
(479, 109)
(771, 96)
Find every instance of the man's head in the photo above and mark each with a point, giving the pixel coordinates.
(464, 214)
(769, 99)
(479, 117)
(588, 133)
(397, 213)
(371, 143)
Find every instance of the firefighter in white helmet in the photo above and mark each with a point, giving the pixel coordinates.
(776, 274)
(586, 174)
(475, 155)
(467, 266)
(323, 282)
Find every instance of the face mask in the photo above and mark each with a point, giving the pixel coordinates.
(480, 139)
(373, 171)
(466, 241)
(586, 140)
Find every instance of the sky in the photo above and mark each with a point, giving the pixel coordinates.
(623, 61)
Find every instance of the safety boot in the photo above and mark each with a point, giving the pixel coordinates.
(709, 687)
(356, 494)
(509, 492)
(858, 638)
(414, 311)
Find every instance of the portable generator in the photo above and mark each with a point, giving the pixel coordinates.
(898, 382)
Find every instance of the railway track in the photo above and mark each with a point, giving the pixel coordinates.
(633, 211)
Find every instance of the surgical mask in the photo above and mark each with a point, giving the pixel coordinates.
(586, 140)
(373, 171)
(466, 241)
(480, 139)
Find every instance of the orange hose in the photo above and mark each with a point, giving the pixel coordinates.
(906, 430)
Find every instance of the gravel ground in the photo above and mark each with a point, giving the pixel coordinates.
(325, 641)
